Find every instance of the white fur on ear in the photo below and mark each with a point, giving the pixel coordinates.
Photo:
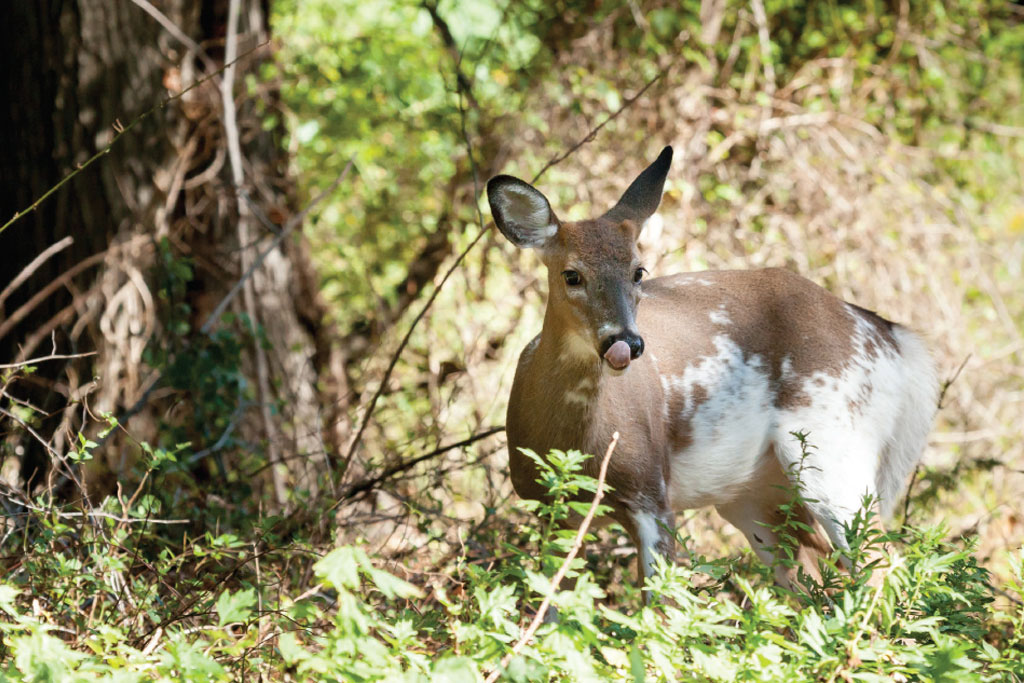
(521, 212)
(650, 232)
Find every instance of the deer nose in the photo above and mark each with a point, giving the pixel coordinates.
(617, 360)
(636, 346)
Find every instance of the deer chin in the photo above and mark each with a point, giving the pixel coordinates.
(612, 372)
(617, 357)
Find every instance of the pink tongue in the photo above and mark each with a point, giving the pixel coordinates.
(617, 355)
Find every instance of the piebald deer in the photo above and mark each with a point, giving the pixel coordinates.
(706, 375)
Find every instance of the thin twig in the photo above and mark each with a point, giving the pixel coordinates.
(910, 491)
(50, 449)
(225, 435)
(368, 484)
(538, 618)
(441, 25)
(60, 281)
(97, 513)
(949, 382)
(368, 413)
(27, 271)
(594, 131)
(40, 359)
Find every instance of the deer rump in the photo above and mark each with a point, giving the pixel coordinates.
(707, 376)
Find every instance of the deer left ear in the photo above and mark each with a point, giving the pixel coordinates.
(643, 196)
(521, 212)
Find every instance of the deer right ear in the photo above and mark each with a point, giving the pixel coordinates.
(521, 212)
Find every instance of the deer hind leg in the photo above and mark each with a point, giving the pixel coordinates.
(758, 517)
(834, 477)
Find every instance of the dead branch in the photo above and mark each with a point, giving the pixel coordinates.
(947, 383)
(32, 267)
(449, 42)
(372, 482)
(18, 315)
(179, 35)
(626, 104)
(42, 359)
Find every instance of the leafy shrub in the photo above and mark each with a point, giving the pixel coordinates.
(89, 599)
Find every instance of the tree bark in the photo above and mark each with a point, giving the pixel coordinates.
(76, 71)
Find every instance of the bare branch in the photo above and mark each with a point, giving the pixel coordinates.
(369, 484)
(27, 271)
(119, 133)
(40, 359)
(178, 34)
(449, 42)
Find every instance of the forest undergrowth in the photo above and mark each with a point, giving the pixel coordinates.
(877, 151)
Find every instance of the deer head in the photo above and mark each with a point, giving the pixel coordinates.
(594, 268)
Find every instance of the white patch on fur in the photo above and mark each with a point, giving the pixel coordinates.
(867, 426)
(575, 349)
(729, 431)
(787, 368)
(608, 329)
(529, 211)
(582, 393)
(577, 397)
(720, 316)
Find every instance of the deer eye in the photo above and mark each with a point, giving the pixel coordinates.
(638, 274)
(572, 278)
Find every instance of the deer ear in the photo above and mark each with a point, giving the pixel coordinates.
(642, 197)
(521, 212)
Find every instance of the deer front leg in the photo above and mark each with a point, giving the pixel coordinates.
(652, 532)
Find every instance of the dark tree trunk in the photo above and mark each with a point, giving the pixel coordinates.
(75, 72)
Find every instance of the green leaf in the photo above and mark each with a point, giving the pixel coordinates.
(236, 607)
(390, 585)
(340, 567)
(455, 670)
(291, 650)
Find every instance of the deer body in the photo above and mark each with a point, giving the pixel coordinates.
(705, 376)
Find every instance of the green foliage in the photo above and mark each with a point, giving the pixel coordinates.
(932, 616)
